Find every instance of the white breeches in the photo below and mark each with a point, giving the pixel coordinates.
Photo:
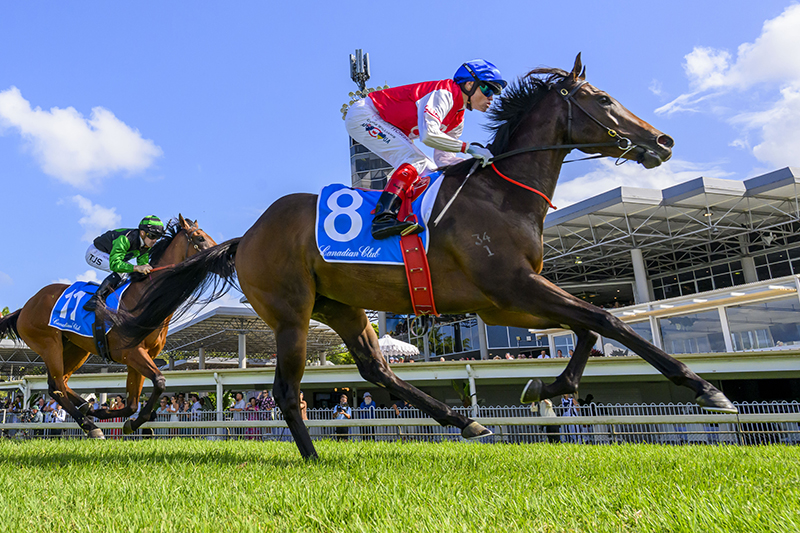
(366, 126)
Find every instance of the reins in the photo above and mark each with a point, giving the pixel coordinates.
(623, 143)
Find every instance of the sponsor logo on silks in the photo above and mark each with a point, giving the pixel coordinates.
(376, 132)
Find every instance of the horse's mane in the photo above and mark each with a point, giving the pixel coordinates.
(513, 105)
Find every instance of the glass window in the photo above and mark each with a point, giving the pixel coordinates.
(565, 343)
(722, 281)
(704, 285)
(612, 348)
(694, 333)
(765, 325)
(780, 269)
(497, 336)
(763, 273)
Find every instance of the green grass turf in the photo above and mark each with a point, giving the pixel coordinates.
(199, 485)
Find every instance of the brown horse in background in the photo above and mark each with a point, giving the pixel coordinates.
(65, 352)
(485, 255)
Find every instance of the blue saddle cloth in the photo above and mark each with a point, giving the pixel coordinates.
(68, 313)
(344, 222)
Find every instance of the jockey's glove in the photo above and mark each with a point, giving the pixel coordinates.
(479, 152)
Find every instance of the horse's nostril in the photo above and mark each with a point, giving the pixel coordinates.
(665, 141)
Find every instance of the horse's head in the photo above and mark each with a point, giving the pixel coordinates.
(595, 117)
(197, 240)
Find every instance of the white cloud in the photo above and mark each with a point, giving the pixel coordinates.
(96, 219)
(656, 87)
(5, 279)
(72, 148)
(89, 275)
(608, 176)
(770, 61)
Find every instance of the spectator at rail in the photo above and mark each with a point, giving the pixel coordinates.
(181, 402)
(543, 355)
(342, 411)
(570, 352)
(546, 411)
(397, 405)
(569, 407)
(59, 416)
(367, 410)
(303, 407)
(197, 406)
(47, 411)
(238, 409)
(163, 413)
(266, 403)
(251, 413)
(93, 403)
(36, 418)
(559, 354)
(239, 406)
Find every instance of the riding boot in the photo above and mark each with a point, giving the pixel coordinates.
(106, 287)
(385, 224)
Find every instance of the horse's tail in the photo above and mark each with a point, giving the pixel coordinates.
(182, 285)
(8, 325)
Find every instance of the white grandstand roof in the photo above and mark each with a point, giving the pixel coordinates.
(218, 332)
(700, 222)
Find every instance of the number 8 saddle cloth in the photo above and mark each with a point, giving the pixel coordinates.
(344, 220)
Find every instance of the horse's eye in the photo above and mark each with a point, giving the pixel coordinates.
(604, 100)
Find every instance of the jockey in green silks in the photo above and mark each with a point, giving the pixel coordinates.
(113, 250)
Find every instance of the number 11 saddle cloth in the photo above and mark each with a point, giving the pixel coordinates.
(68, 313)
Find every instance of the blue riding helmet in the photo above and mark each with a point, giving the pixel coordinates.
(481, 71)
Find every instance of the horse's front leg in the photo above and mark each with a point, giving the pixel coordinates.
(542, 299)
(141, 366)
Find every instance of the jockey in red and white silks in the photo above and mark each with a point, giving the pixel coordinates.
(387, 122)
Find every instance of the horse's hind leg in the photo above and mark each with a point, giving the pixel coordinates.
(353, 327)
(74, 357)
(291, 364)
(48, 343)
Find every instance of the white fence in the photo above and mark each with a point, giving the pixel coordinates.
(756, 423)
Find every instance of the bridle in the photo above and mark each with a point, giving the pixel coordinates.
(189, 243)
(623, 143)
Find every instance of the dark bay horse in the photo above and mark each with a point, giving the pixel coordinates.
(64, 352)
(485, 255)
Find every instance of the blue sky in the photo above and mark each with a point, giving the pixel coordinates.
(111, 111)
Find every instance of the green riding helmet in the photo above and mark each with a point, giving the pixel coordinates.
(152, 224)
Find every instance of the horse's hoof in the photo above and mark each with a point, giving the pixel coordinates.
(96, 433)
(532, 391)
(716, 402)
(475, 431)
(127, 427)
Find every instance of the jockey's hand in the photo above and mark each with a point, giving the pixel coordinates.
(479, 152)
(143, 269)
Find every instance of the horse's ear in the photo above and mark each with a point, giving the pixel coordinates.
(583, 74)
(576, 70)
(182, 221)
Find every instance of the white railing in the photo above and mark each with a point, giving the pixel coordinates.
(756, 423)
